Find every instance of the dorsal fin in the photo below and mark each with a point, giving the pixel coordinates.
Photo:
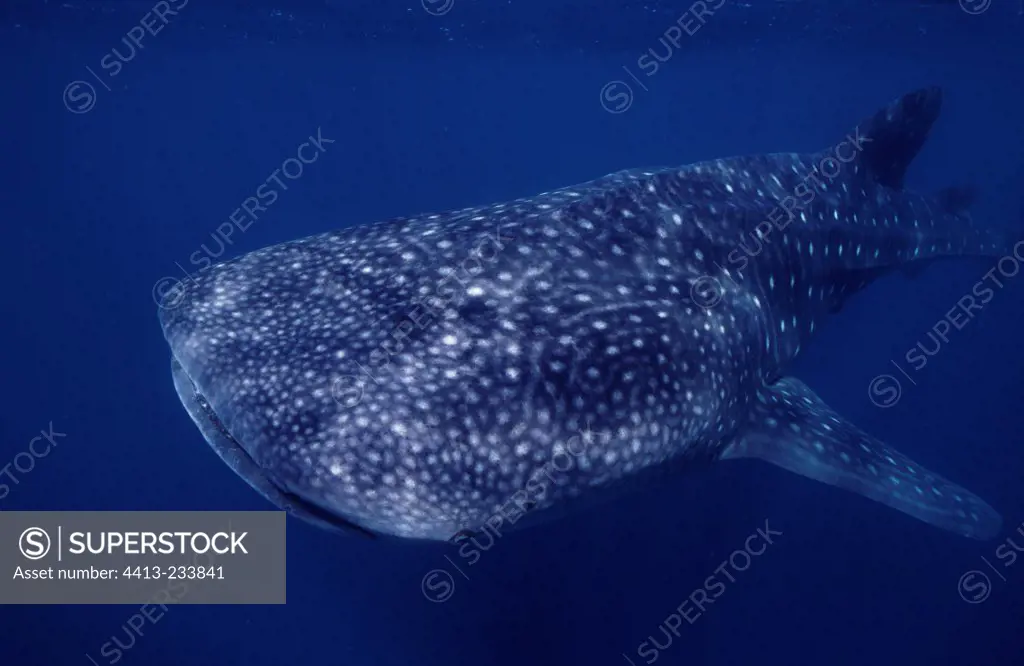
(895, 134)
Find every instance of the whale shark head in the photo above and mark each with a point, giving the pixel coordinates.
(427, 376)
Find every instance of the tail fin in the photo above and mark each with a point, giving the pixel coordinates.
(895, 134)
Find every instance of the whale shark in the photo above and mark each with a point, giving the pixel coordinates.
(428, 377)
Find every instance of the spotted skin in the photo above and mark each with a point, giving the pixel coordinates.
(419, 376)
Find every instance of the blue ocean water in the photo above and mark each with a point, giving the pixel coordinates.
(112, 180)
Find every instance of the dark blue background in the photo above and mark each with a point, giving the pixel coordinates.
(489, 103)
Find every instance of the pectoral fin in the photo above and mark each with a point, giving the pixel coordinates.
(792, 428)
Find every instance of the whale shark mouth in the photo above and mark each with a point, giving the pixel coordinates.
(239, 459)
